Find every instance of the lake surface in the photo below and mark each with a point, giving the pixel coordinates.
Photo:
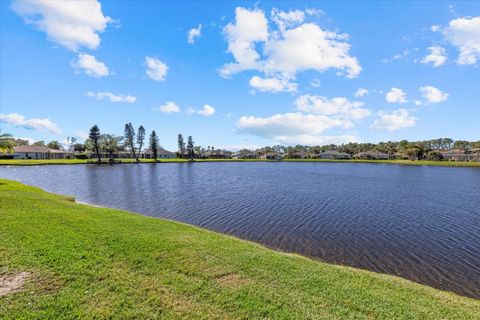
(421, 223)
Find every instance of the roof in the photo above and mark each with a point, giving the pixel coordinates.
(37, 149)
(160, 150)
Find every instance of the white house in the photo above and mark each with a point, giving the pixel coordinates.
(40, 152)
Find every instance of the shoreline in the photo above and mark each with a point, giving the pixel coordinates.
(9, 162)
(107, 252)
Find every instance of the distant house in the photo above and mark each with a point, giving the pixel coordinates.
(332, 154)
(371, 155)
(245, 154)
(217, 154)
(40, 152)
(271, 156)
(161, 154)
(299, 155)
(458, 155)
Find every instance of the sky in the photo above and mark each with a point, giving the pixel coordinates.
(241, 74)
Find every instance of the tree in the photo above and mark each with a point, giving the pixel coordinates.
(190, 148)
(110, 143)
(140, 139)
(154, 144)
(6, 143)
(181, 145)
(54, 145)
(130, 138)
(39, 143)
(78, 147)
(94, 136)
(71, 141)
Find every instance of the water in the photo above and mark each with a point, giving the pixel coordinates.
(421, 223)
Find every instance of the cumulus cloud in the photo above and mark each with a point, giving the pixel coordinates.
(206, 111)
(361, 92)
(292, 47)
(112, 97)
(340, 107)
(464, 34)
(394, 120)
(90, 65)
(437, 56)
(155, 69)
(272, 84)
(396, 95)
(168, 107)
(293, 128)
(194, 33)
(36, 124)
(433, 95)
(70, 23)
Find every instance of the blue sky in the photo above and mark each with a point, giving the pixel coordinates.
(254, 73)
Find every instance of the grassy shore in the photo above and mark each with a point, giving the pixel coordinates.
(15, 162)
(89, 262)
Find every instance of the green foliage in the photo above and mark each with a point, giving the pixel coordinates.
(94, 136)
(55, 145)
(154, 144)
(129, 136)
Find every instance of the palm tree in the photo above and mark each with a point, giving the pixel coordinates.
(6, 143)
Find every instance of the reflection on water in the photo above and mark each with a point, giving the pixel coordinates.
(421, 223)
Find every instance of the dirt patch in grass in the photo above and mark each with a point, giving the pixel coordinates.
(11, 283)
(232, 280)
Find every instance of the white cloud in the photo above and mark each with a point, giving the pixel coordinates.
(396, 95)
(292, 128)
(361, 92)
(418, 103)
(392, 121)
(464, 34)
(437, 56)
(41, 125)
(90, 65)
(315, 83)
(70, 23)
(112, 97)
(287, 19)
(433, 95)
(206, 111)
(272, 84)
(435, 28)
(82, 135)
(340, 107)
(168, 107)
(292, 47)
(156, 69)
(194, 33)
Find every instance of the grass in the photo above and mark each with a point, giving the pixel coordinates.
(17, 162)
(90, 262)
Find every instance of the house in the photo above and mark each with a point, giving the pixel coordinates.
(40, 152)
(161, 154)
(271, 156)
(458, 155)
(332, 154)
(245, 154)
(371, 155)
(299, 155)
(217, 154)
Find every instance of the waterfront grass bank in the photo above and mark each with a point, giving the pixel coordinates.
(88, 262)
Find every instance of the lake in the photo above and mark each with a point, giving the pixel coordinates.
(418, 222)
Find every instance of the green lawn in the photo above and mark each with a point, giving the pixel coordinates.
(15, 162)
(89, 262)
